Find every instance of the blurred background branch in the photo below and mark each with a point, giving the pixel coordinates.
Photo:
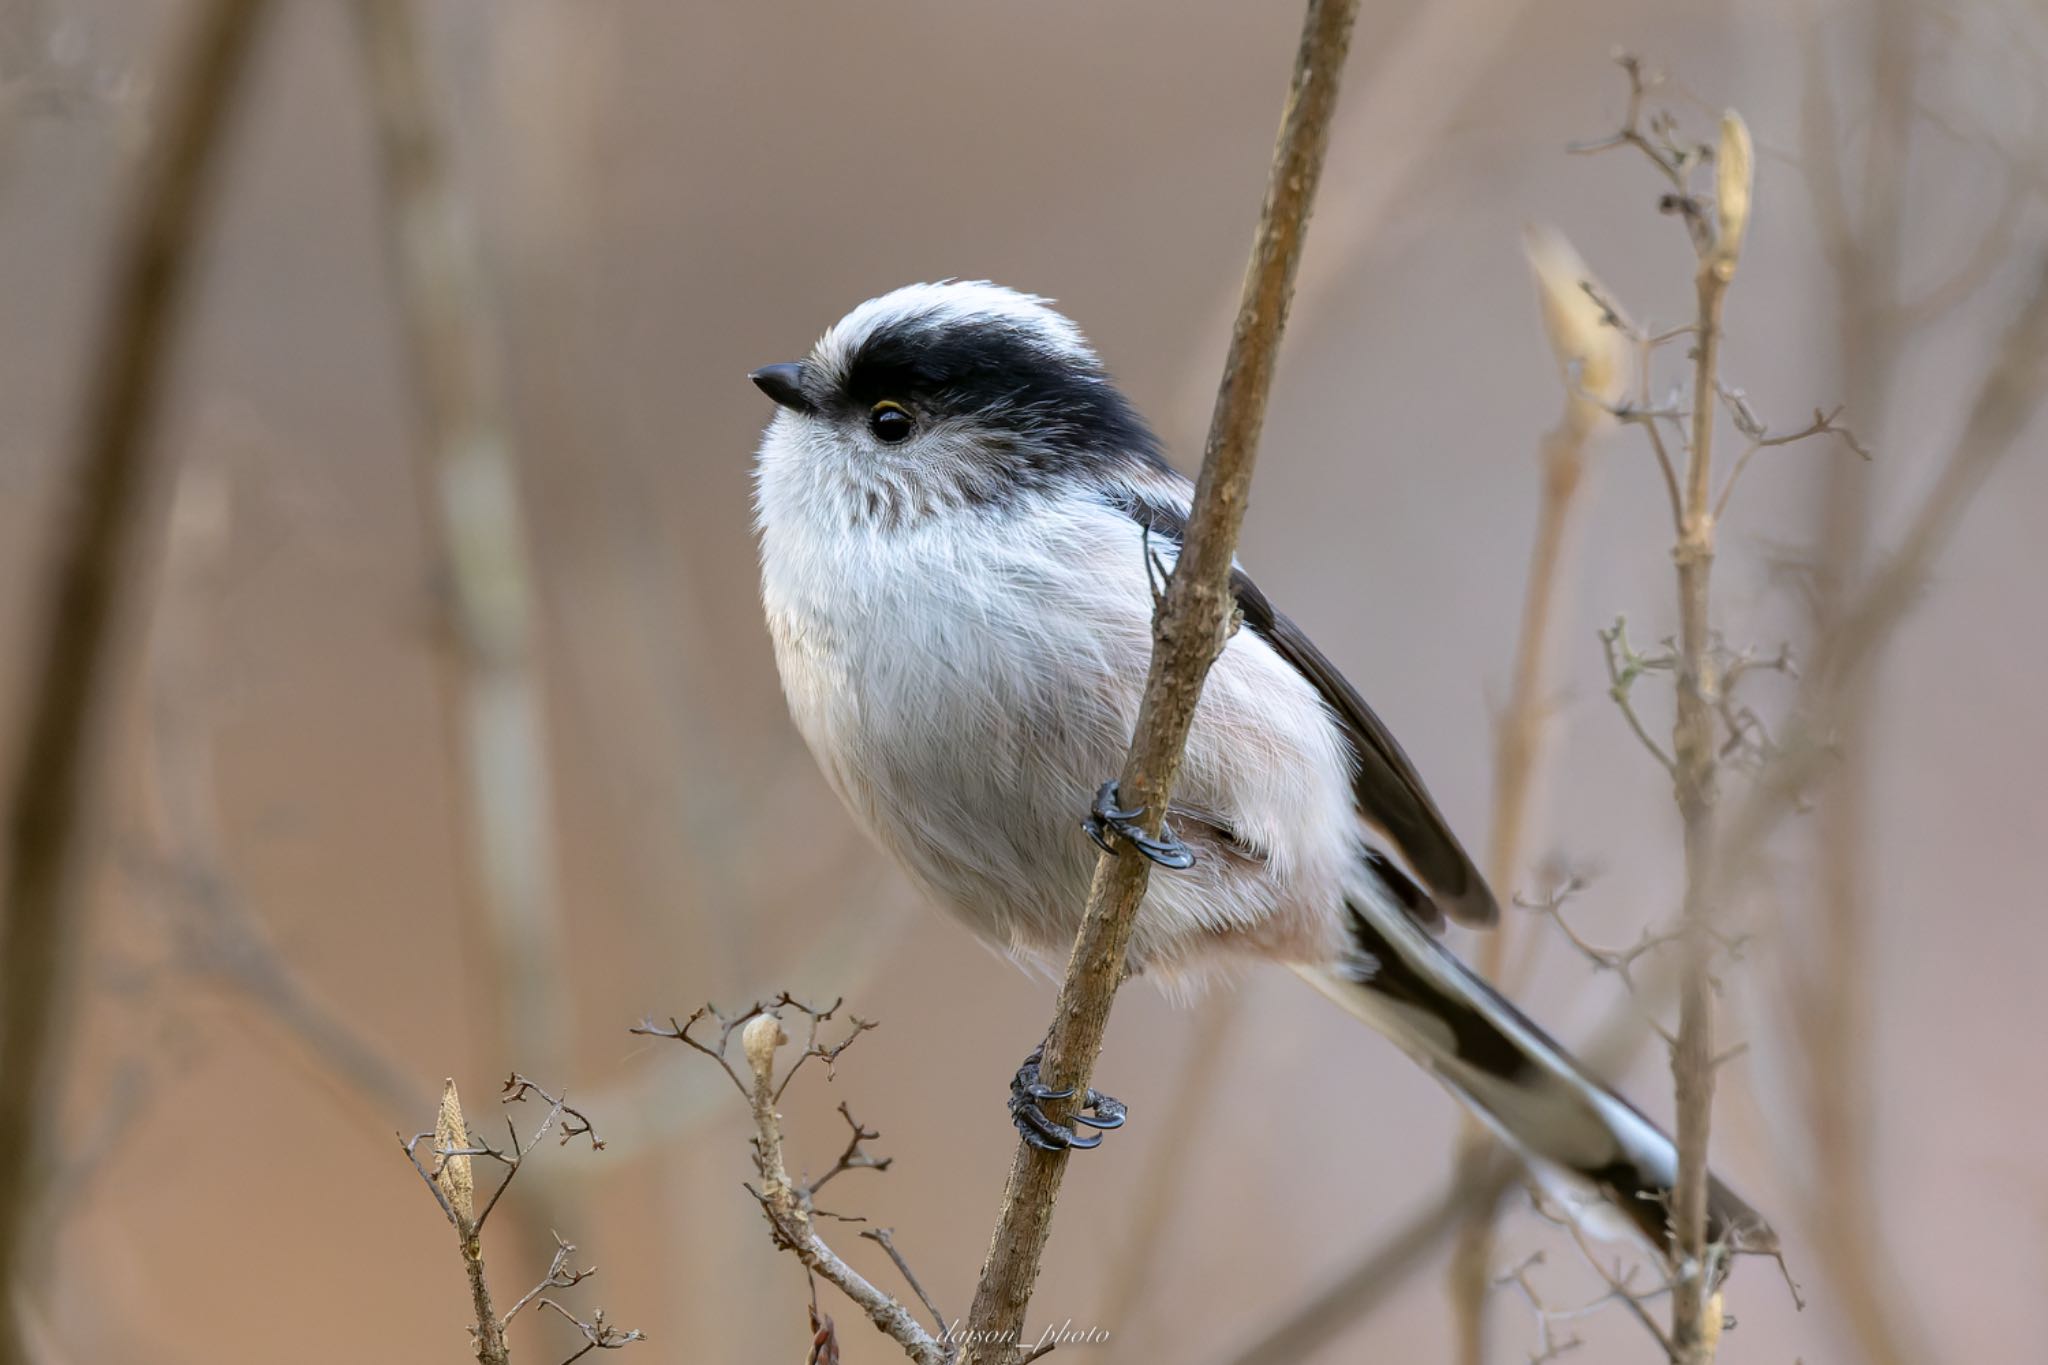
(99, 563)
(1595, 368)
(476, 517)
(658, 199)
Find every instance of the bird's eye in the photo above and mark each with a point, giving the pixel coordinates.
(890, 422)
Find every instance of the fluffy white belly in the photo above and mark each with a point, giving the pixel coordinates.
(965, 693)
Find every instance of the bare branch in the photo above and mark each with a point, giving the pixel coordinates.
(1594, 344)
(597, 1334)
(1624, 666)
(1620, 1289)
(1191, 629)
(1823, 424)
(788, 1208)
(477, 532)
(449, 1180)
(1318, 1321)
(97, 569)
(885, 1238)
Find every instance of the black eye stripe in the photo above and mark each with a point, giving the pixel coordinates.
(1038, 410)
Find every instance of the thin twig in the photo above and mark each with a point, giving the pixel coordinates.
(452, 1183)
(1190, 631)
(787, 1205)
(1619, 1288)
(2009, 398)
(1624, 666)
(1823, 423)
(886, 1238)
(95, 573)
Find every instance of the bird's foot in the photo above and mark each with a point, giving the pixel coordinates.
(1107, 817)
(1027, 1093)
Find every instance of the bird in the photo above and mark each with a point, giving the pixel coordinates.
(962, 524)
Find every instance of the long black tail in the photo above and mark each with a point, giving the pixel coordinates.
(1519, 1080)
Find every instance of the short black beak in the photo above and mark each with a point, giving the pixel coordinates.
(783, 383)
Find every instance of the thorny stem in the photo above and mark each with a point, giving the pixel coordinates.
(1189, 633)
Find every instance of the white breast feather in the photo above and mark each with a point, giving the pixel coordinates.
(967, 681)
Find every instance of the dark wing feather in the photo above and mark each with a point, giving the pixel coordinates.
(1390, 793)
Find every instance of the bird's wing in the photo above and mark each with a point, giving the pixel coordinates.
(1390, 795)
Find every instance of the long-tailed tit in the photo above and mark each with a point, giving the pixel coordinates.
(961, 517)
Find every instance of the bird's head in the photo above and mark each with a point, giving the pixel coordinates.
(951, 395)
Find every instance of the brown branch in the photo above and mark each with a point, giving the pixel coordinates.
(886, 1239)
(1190, 631)
(1695, 751)
(2009, 398)
(454, 1189)
(215, 934)
(1589, 339)
(787, 1204)
(94, 574)
(1423, 73)
(1831, 1017)
(451, 1180)
(476, 524)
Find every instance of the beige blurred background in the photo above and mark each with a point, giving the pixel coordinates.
(288, 952)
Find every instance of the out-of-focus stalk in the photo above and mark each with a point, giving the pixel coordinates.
(1594, 363)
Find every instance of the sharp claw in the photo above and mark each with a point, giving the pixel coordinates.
(1047, 1136)
(1106, 815)
(1034, 1139)
(1103, 1111)
(1168, 852)
(1106, 807)
(1027, 1092)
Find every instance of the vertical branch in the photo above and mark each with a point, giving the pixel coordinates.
(455, 1180)
(1834, 984)
(93, 577)
(1190, 632)
(1594, 365)
(478, 527)
(1693, 748)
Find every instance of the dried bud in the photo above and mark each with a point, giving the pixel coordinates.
(457, 1185)
(1586, 330)
(1710, 1324)
(1734, 182)
(762, 1035)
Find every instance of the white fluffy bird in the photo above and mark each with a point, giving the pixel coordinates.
(958, 514)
